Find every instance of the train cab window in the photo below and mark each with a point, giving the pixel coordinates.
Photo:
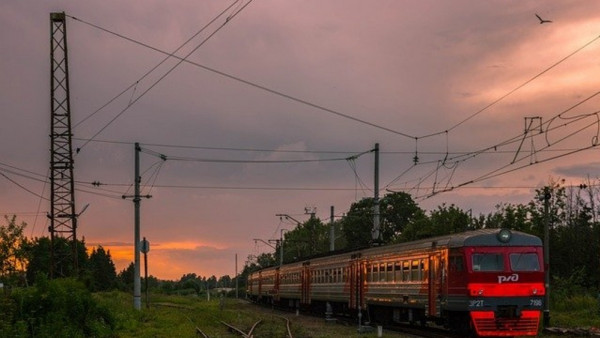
(488, 262)
(524, 262)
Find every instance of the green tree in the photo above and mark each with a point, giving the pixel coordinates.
(444, 220)
(13, 256)
(307, 239)
(125, 277)
(398, 211)
(358, 224)
(224, 281)
(38, 253)
(510, 216)
(102, 269)
(212, 282)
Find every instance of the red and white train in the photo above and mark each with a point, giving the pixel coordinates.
(490, 282)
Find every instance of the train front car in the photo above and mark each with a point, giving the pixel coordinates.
(504, 279)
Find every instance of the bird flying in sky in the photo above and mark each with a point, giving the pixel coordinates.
(542, 21)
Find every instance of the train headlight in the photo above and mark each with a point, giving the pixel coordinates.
(480, 292)
(534, 291)
(504, 235)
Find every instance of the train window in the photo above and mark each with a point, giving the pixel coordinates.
(382, 272)
(457, 263)
(415, 273)
(375, 273)
(390, 272)
(524, 262)
(406, 271)
(488, 262)
(397, 271)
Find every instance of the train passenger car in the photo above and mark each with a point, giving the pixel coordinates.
(486, 281)
(290, 285)
(263, 285)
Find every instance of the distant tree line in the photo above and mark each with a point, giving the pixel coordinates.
(23, 260)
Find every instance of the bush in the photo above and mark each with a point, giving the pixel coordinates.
(61, 308)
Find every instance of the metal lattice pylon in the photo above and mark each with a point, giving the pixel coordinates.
(63, 220)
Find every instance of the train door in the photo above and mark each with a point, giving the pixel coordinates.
(259, 285)
(276, 286)
(305, 284)
(457, 273)
(436, 268)
(356, 282)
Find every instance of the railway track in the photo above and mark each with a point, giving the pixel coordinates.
(250, 333)
(287, 325)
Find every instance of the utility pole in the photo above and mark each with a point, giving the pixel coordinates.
(547, 196)
(145, 247)
(281, 246)
(137, 285)
(376, 233)
(331, 231)
(63, 219)
(236, 278)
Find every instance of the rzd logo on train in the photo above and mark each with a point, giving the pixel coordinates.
(512, 278)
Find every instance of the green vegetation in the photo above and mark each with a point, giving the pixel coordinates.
(179, 316)
(575, 311)
(56, 308)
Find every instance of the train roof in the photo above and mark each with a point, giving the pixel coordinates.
(482, 237)
(493, 237)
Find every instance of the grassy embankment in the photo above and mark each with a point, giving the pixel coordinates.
(178, 316)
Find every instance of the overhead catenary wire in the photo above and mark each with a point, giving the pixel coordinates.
(164, 75)
(548, 129)
(509, 168)
(135, 84)
(343, 115)
(216, 160)
(23, 187)
(488, 150)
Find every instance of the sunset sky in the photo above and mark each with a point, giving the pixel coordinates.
(271, 100)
